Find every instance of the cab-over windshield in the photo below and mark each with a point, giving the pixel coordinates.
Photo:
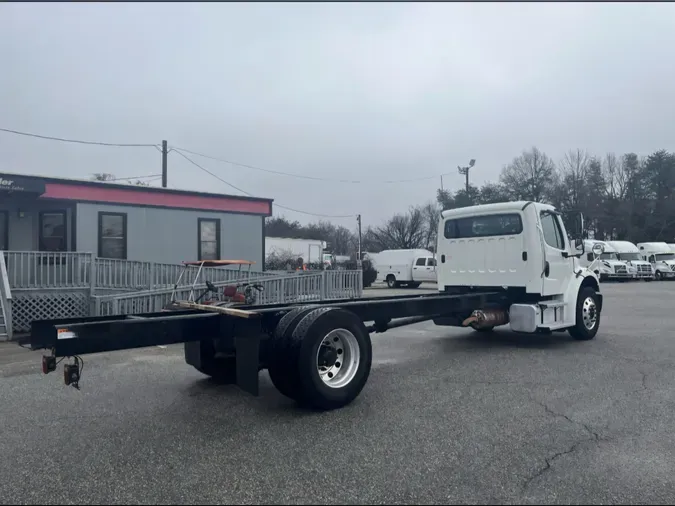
(660, 257)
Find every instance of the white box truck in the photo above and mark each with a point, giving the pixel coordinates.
(605, 265)
(661, 257)
(628, 252)
(310, 250)
(406, 267)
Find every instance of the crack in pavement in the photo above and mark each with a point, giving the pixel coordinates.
(595, 438)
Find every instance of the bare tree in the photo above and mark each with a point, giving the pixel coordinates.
(531, 176)
(432, 213)
(574, 173)
(402, 231)
(615, 176)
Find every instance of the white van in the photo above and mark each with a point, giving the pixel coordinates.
(660, 256)
(606, 265)
(628, 252)
(409, 267)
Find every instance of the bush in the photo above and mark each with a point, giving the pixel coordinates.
(369, 272)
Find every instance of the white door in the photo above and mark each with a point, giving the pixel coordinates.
(431, 270)
(558, 268)
(419, 269)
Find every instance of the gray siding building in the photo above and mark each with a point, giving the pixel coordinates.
(129, 222)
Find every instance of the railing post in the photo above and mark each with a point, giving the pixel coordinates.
(324, 287)
(92, 275)
(151, 276)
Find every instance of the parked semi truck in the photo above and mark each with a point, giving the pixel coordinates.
(499, 264)
(606, 265)
(630, 254)
(661, 257)
(406, 267)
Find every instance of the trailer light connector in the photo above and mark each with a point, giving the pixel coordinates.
(48, 364)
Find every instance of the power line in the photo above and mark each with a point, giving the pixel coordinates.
(77, 141)
(314, 178)
(251, 195)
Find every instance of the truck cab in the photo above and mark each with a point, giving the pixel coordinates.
(523, 249)
(606, 265)
(661, 257)
(629, 253)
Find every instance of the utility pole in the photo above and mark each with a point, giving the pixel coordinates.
(465, 172)
(165, 153)
(358, 257)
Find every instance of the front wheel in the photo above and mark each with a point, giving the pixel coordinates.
(391, 281)
(587, 315)
(658, 276)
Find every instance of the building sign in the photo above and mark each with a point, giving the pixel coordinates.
(20, 184)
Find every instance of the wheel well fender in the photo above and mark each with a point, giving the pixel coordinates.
(588, 279)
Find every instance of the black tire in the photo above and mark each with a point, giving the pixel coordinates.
(658, 276)
(587, 301)
(302, 348)
(283, 373)
(391, 281)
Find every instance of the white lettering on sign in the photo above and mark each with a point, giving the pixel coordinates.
(5, 182)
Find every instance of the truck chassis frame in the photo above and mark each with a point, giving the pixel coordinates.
(248, 333)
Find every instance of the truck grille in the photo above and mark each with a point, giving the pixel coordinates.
(644, 268)
(619, 269)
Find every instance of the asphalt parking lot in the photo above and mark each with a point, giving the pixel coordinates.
(448, 416)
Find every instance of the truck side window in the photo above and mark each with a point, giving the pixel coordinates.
(652, 259)
(589, 257)
(420, 261)
(431, 262)
(552, 233)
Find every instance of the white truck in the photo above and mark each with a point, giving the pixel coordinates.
(661, 257)
(606, 265)
(628, 252)
(500, 264)
(406, 267)
(310, 250)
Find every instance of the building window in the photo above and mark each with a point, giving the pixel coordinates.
(112, 235)
(4, 230)
(209, 239)
(52, 232)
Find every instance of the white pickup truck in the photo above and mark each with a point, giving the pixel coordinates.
(406, 267)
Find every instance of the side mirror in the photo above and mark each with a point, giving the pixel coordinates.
(598, 249)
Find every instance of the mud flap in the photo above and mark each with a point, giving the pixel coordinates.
(248, 361)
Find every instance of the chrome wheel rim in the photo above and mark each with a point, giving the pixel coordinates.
(590, 313)
(337, 358)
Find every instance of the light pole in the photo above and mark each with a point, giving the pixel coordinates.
(465, 172)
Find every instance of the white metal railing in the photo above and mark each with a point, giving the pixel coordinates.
(279, 289)
(5, 298)
(36, 270)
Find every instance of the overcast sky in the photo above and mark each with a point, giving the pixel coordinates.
(368, 92)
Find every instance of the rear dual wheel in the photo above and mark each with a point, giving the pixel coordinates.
(322, 357)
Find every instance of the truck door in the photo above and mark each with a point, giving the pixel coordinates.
(557, 268)
(431, 270)
(419, 269)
